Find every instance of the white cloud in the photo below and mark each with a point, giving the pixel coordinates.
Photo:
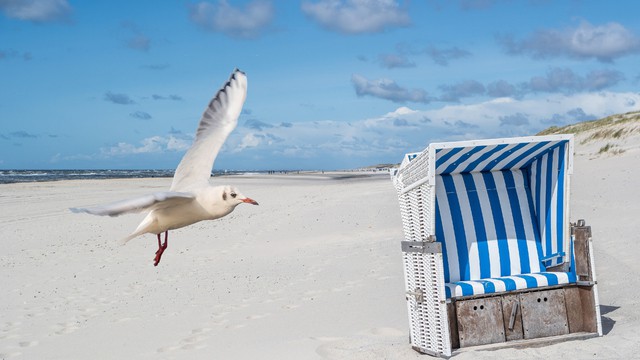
(246, 22)
(444, 56)
(387, 89)
(135, 38)
(391, 61)
(603, 42)
(39, 11)
(249, 140)
(386, 137)
(462, 89)
(116, 98)
(564, 79)
(357, 16)
(154, 144)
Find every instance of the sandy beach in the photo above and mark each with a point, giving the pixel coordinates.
(314, 272)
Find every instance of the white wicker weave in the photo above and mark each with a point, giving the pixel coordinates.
(426, 303)
(424, 272)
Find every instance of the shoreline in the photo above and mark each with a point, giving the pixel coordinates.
(30, 176)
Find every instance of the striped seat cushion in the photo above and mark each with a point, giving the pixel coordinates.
(507, 283)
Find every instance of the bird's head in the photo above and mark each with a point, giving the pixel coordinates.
(233, 197)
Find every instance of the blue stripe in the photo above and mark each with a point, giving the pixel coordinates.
(547, 201)
(440, 238)
(458, 227)
(478, 222)
(491, 165)
(452, 167)
(534, 225)
(560, 204)
(467, 289)
(488, 286)
(538, 181)
(501, 231)
(548, 150)
(441, 160)
(483, 157)
(526, 154)
(509, 284)
(552, 279)
(572, 265)
(516, 211)
(531, 281)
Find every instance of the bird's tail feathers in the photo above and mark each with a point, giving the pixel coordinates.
(125, 240)
(143, 228)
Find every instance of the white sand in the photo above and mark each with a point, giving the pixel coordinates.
(313, 272)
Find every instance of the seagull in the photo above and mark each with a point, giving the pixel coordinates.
(191, 198)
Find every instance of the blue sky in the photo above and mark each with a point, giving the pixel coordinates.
(333, 84)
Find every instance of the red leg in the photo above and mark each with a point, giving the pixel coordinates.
(161, 248)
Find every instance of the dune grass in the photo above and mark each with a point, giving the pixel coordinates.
(610, 127)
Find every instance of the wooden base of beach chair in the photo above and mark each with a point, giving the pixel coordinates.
(527, 343)
(516, 317)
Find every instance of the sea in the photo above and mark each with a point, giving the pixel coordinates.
(20, 176)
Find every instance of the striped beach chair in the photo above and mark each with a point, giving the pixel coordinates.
(487, 231)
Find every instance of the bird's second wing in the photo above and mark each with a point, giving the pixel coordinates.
(218, 121)
(153, 201)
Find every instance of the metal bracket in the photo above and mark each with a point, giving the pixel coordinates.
(422, 247)
(512, 318)
(418, 294)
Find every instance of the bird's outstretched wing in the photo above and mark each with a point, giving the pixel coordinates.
(218, 121)
(153, 201)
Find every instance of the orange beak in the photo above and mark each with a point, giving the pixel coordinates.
(250, 201)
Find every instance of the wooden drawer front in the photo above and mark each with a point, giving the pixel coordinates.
(480, 321)
(544, 314)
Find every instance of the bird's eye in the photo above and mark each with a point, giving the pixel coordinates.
(233, 195)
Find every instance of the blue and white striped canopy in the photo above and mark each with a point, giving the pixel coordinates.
(499, 154)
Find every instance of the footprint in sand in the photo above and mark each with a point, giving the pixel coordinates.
(10, 355)
(255, 317)
(168, 348)
(125, 319)
(193, 346)
(194, 341)
(382, 278)
(368, 344)
(291, 306)
(28, 343)
(236, 326)
(66, 328)
(200, 330)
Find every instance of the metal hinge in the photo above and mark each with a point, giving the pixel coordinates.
(418, 294)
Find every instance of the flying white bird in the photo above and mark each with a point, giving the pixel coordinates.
(191, 198)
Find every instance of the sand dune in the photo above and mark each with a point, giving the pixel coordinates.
(314, 272)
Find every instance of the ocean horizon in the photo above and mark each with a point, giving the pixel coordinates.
(10, 176)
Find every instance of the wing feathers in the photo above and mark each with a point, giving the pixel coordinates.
(153, 201)
(218, 121)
